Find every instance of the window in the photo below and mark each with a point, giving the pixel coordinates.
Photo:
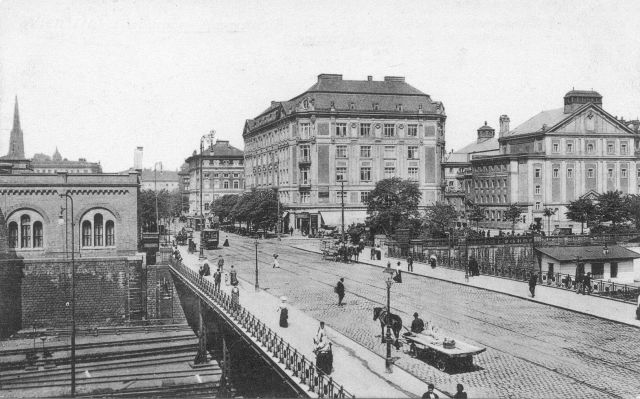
(25, 229)
(37, 235)
(110, 236)
(226, 175)
(305, 153)
(13, 235)
(412, 130)
(97, 230)
(623, 173)
(86, 233)
(236, 184)
(538, 172)
(556, 173)
(364, 196)
(236, 175)
(389, 169)
(225, 184)
(413, 174)
(305, 130)
(590, 173)
(610, 173)
(365, 129)
(304, 176)
(365, 173)
(569, 147)
(569, 173)
(537, 189)
(610, 148)
(389, 130)
(389, 151)
(341, 173)
(623, 148)
(341, 196)
(589, 148)
(614, 269)
(341, 151)
(556, 147)
(538, 205)
(341, 129)
(412, 152)
(365, 151)
(304, 198)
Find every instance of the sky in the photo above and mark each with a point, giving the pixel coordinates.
(98, 78)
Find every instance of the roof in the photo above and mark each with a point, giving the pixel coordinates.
(487, 147)
(222, 149)
(486, 127)
(160, 175)
(586, 93)
(587, 253)
(535, 124)
(334, 83)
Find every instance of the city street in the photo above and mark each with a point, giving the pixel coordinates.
(533, 350)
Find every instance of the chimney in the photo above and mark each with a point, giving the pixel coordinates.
(504, 125)
(137, 158)
(394, 78)
(369, 78)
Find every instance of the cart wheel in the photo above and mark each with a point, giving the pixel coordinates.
(413, 350)
(441, 364)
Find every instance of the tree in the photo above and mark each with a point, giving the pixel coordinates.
(393, 204)
(581, 210)
(168, 206)
(612, 207)
(633, 207)
(438, 219)
(548, 212)
(223, 206)
(513, 214)
(477, 214)
(259, 208)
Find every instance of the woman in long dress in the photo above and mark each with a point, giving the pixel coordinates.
(284, 312)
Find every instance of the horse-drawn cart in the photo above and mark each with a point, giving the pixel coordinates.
(446, 355)
(329, 249)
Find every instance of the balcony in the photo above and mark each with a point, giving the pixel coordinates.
(304, 185)
(304, 161)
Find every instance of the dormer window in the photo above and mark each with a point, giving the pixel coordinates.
(352, 106)
(399, 107)
(305, 104)
(376, 107)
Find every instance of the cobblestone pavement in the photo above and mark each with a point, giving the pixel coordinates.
(533, 350)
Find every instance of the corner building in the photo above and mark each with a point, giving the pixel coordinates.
(360, 131)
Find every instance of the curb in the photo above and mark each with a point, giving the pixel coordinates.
(492, 290)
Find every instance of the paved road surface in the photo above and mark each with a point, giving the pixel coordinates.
(533, 350)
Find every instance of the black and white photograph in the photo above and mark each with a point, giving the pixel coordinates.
(330, 199)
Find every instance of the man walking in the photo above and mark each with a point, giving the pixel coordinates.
(217, 278)
(275, 264)
(340, 291)
(409, 264)
(221, 263)
(586, 283)
(533, 280)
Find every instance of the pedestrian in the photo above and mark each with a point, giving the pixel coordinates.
(339, 289)
(373, 253)
(417, 325)
(398, 276)
(226, 241)
(201, 271)
(430, 394)
(433, 261)
(460, 393)
(207, 270)
(473, 266)
(221, 263)
(321, 331)
(586, 283)
(324, 355)
(233, 277)
(275, 264)
(409, 264)
(235, 298)
(378, 252)
(217, 278)
(284, 312)
(291, 231)
(533, 280)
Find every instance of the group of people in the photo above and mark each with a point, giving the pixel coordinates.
(205, 270)
(323, 351)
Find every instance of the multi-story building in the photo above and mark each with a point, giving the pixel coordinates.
(159, 180)
(223, 171)
(351, 130)
(458, 163)
(42, 163)
(554, 158)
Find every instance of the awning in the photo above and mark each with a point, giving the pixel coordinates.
(334, 218)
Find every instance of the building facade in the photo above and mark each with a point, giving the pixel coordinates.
(223, 172)
(356, 131)
(159, 180)
(555, 157)
(42, 163)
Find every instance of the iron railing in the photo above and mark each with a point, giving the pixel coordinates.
(300, 366)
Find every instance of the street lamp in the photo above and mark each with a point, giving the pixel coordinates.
(388, 278)
(257, 286)
(210, 136)
(155, 190)
(62, 220)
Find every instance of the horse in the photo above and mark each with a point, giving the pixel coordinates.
(395, 323)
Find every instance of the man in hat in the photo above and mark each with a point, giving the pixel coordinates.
(221, 263)
(275, 264)
(340, 291)
(417, 325)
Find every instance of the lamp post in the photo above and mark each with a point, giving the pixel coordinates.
(257, 286)
(341, 180)
(62, 220)
(388, 278)
(210, 136)
(155, 190)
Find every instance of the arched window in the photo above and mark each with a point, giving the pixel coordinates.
(13, 235)
(25, 229)
(98, 227)
(110, 236)
(86, 233)
(37, 235)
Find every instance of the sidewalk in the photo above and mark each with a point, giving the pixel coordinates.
(360, 371)
(588, 304)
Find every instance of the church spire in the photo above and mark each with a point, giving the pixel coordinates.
(16, 141)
